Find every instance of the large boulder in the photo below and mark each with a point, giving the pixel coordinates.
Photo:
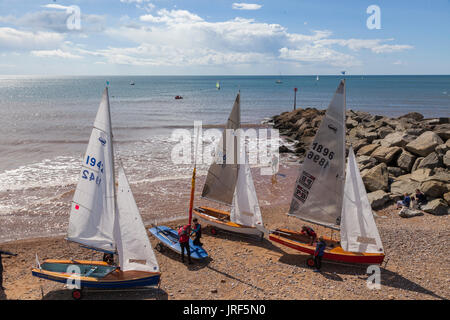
(396, 139)
(446, 159)
(366, 133)
(409, 213)
(417, 163)
(421, 175)
(350, 123)
(443, 131)
(406, 160)
(412, 115)
(376, 178)
(431, 161)
(433, 188)
(378, 199)
(384, 131)
(446, 197)
(424, 144)
(365, 162)
(403, 186)
(442, 149)
(385, 154)
(436, 207)
(367, 150)
(395, 171)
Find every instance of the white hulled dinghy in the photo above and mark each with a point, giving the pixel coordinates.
(231, 184)
(328, 195)
(105, 219)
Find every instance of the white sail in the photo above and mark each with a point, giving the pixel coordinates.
(245, 207)
(359, 232)
(92, 213)
(134, 248)
(222, 174)
(319, 186)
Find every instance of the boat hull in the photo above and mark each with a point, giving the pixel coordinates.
(221, 219)
(112, 279)
(333, 252)
(169, 238)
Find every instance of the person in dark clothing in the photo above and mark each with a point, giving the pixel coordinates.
(198, 232)
(183, 238)
(421, 198)
(318, 254)
(108, 258)
(309, 232)
(1, 266)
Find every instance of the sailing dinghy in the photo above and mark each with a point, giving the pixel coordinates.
(328, 195)
(106, 220)
(231, 184)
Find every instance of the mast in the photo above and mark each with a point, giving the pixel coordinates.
(112, 154)
(191, 202)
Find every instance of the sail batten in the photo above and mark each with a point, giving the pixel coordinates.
(319, 186)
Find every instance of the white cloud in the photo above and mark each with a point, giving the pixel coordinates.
(54, 54)
(182, 38)
(55, 6)
(246, 6)
(172, 17)
(375, 45)
(11, 38)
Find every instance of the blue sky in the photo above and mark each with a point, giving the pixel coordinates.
(209, 37)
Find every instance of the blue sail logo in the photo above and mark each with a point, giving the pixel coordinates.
(102, 141)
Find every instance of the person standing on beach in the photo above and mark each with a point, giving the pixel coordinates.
(198, 232)
(1, 266)
(318, 254)
(183, 236)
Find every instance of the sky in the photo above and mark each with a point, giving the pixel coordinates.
(224, 37)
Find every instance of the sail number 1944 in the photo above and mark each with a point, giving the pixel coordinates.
(320, 155)
(86, 174)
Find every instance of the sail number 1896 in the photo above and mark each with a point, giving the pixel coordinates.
(320, 155)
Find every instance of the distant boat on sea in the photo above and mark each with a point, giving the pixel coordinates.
(218, 85)
(278, 81)
(317, 78)
(132, 83)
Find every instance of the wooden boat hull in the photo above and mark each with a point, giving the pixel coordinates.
(109, 277)
(333, 252)
(221, 219)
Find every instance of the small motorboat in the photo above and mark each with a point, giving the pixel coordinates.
(178, 97)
